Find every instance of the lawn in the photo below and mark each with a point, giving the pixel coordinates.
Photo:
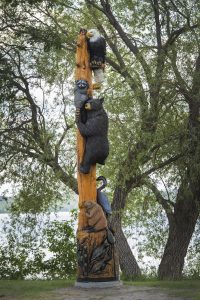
(30, 289)
(186, 288)
(45, 289)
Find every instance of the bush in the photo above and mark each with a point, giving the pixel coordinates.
(34, 247)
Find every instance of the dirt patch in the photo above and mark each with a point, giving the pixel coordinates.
(123, 292)
(120, 293)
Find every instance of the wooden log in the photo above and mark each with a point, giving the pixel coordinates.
(96, 255)
(86, 182)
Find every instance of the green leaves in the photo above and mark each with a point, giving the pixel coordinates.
(61, 242)
(150, 74)
(27, 239)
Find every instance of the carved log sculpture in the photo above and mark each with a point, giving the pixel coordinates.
(97, 259)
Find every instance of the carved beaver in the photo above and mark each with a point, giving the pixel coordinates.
(95, 216)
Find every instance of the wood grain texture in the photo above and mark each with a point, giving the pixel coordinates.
(90, 244)
(86, 182)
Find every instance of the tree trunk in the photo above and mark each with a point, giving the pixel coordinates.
(187, 207)
(181, 228)
(172, 262)
(128, 263)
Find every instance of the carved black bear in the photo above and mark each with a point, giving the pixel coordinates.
(95, 131)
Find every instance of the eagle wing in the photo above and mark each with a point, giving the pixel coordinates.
(97, 49)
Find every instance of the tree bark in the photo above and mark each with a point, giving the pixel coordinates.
(187, 207)
(127, 261)
(181, 228)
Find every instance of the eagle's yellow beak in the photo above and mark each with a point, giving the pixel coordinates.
(89, 34)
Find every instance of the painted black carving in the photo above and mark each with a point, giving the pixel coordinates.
(100, 257)
(95, 131)
(95, 262)
(82, 255)
(97, 48)
(110, 236)
(102, 198)
(83, 115)
(80, 93)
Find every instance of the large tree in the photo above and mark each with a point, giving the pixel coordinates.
(33, 69)
(160, 40)
(152, 97)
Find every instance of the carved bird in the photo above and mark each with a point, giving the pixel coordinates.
(97, 50)
(102, 199)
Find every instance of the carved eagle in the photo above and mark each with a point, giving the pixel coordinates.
(97, 49)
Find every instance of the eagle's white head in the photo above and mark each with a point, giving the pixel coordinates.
(93, 35)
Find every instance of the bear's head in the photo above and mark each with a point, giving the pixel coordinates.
(89, 204)
(94, 104)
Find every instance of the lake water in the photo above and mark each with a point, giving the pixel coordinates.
(66, 216)
(58, 216)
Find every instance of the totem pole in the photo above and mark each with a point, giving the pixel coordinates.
(97, 260)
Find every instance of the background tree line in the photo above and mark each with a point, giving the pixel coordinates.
(151, 95)
(34, 246)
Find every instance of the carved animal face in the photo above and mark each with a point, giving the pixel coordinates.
(94, 104)
(82, 84)
(89, 205)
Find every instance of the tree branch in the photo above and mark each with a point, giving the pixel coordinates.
(163, 164)
(181, 82)
(132, 47)
(160, 199)
(57, 146)
(180, 13)
(67, 179)
(136, 181)
(176, 33)
(196, 78)
(157, 21)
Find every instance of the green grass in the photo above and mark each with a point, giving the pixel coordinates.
(186, 288)
(30, 289)
(45, 289)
